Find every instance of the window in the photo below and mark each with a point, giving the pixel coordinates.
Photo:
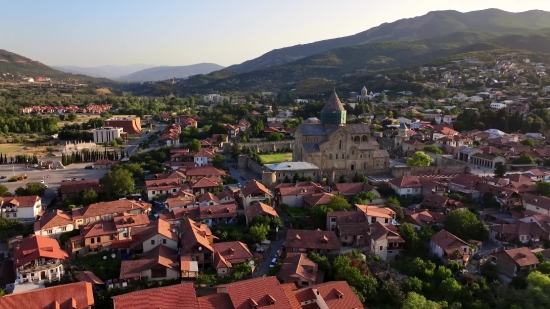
(125, 235)
(152, 241)
(373, 220)
(99, 239)
(336, 156)
(49, 231)
(353, 152)
(340, 145)
(364, 166)
(153, 192)
(386, 220)
(329, 156)
(381, 248)
(164, 241)
(158, 271)
(15, 214)
(332, 219)
(353, 167)
(92, 240)
(63, 229)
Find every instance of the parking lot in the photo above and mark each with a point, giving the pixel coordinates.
(52, 178)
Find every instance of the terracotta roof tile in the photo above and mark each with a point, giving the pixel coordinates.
(215, 301)
(259, 291)
(259, 209)
(21, 201)
(88, 276)
(317, 239)
(336, 294)
(53, 219)
(33, 247)
(160, 255)
(74, 187)
(205, 170)
(521, 256)
(318, 199)
(352, 188)
(180, 296)
(407, 182)
(106, 208)
(68, 296)
(254, 186)
(233, 251)
(447, 241)
(299, 265)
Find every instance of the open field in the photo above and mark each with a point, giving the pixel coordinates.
(80, 118)
(276, 157)
(23, 149)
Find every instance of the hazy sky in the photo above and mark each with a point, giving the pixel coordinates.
(180, 32)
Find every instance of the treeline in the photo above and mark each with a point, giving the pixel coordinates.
(75, 131)
(34, 124)
(537, 121)
(19, 159)
(92, 156)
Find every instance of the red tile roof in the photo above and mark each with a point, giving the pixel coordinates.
(21, 201)
(521, 256)
(215, 301)
(88, 276)
(106, 208)
(336, 295)
(447, 241)
(205, 182)
(67, 296)
(103, 162)
(74, 187)
(180, 296)
(351, 188)
(205, 170)
(53, 219)
(254, 186)
(299, 265)
(34, 247)
(407, 182)
(258, 291)
(233, 251)
(259, 209)
(160, 255)
(317, 240)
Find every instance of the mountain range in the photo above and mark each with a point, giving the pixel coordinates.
(168, 72)
(107, 71)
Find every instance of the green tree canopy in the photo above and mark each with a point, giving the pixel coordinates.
(417, 301)
(32, 188)
(4, 191)
(363, 197)
(419, 158)
(466, 225)
(338, 203)
(88, 197)
(543, 188)
(118, 183)
(524, 159)
(500, 169)
(433, 149)
(194, 145)
(258, 233)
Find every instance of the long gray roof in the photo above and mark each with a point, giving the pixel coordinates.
(333, 103)
(287, 166)
(312, 129)
(311, 147)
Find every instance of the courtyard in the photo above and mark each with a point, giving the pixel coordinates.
(276, 157)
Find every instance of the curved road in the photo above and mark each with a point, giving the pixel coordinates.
(132, 148)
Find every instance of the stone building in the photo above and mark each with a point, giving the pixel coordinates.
(338, 148)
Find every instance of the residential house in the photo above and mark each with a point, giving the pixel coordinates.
(53, 224)
(350, 226)
(442, 204)
(384, 241)
(188, 267)
(537, 203)
(186, 121)
(227, 254)
(350, 190)
(38, 259)
(333, 295)
(375, 214)
(232, 131)
(167, 297)
(199, 172)
(263, 292)
(443, 132)
(449, 248)
(205, 184)
(210, 215)
(519, 231)
(292, 194)
(22, 208)
(72, 188)
(159, 232)
(107, 210)
(317, 199)
(259, 209)
(421, 217)
(305, 241)
(406, 185)
(254, 192)
(203, 157)
(196, 240)
(77, 295)
(159, 263)
(166, 186)
(514, 262)
(297, 268)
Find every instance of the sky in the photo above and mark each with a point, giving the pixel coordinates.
(183, 32)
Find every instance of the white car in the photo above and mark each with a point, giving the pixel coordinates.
(272, 264)
(41, 181)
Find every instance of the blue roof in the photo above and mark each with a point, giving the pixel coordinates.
(312, 129)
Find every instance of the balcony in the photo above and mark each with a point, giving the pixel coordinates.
(40, 267)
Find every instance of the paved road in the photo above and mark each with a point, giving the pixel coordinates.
(135, 144)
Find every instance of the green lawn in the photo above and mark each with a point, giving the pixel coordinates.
(276, 157)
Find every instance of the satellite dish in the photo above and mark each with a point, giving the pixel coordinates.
(113, 255)
(104, 257)
(251, 263)
(200, 248)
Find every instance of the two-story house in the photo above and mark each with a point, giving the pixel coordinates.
(196, 240)
(442, 204)
(72, 188)
(203, 157)
(107, 210)
(292, 194)
(38, 259)
(254, 192)
(159, 263)
(227, 254)
(21, 208)
(305, 241)
(536, 203)
(449, 248)
(384, 241)
(406, 185)
(297, 268)
(514, 262)
(518, 231)
(54, 224)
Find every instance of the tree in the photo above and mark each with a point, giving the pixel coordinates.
(419, 158)
(417, 301)
(466, 225)
(258, 233)
(543, 187)
(88, 197)
(4, 191)
(32, 188)
(433, 149)
(528, 142)
(338, 203)
(524, 159)
(412, 284)
(50, 149)
(275, 136)
(391, 293)
(359, 178)
(72, 117)
(118, 183)
(342, 179)
(195, 145)
(364, 197)
(114, 143)
(544, 267)
(500, 170)
(134, 168)
(393, 203)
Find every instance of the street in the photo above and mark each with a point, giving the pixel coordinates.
(134, 144)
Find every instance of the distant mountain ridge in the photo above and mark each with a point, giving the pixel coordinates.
(432, 24)
(168, 72)
(107, 71)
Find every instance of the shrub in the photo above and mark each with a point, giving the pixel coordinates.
(13, 179)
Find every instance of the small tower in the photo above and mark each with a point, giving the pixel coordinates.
(364, 92)
(402, 134)
(334, 112)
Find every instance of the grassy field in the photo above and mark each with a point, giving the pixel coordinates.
(22, 149)
(276, 157)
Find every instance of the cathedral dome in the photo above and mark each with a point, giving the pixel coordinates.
(333, 112)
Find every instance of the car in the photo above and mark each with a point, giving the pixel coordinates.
(89, 167)
(35, 165)
(272, 264)
(74, 178)
(42, 181)
(287, 223)
(2, 177)
(243, 178)
(239, 185)
(463, 271)
(477, 256)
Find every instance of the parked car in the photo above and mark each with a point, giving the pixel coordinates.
(74, 178)
(239, 185)
(89, 167)
(272, 264)
(2, 177)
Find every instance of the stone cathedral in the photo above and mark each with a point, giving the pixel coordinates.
(336, 147)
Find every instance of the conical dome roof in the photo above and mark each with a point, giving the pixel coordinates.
(333, 103)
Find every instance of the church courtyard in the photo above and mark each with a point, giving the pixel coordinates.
(276, 157)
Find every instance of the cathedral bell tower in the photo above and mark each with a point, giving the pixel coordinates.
(334, 112)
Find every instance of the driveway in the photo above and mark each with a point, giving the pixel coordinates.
(275, 245)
